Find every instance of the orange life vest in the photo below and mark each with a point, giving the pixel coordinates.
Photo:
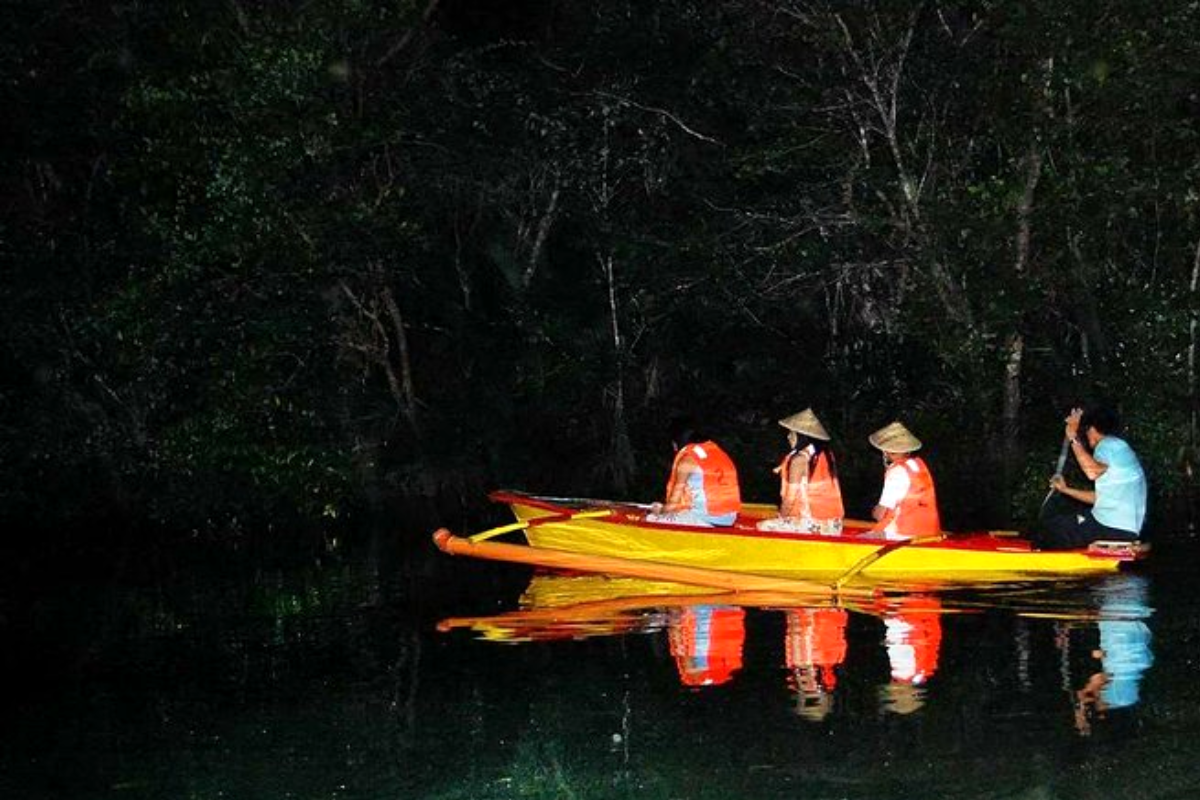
(706, 642)
(913, 637)
(824, 492)
(917, 512)
(721, 493)
(816, 637)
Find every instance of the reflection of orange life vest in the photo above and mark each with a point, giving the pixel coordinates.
(913, 638)
(721, 493)
(824, 493)
(706, 642)
(816, 637)
(917, 513)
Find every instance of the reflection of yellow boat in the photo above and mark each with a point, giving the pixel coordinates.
(620, 531)
(556, 606)
(705, 630)
(579, 607)
(548, 591)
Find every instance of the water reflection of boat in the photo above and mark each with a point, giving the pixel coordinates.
(814, 648)
(706, 632)
(617, 536)
(913, 639)
(566, 606)
(706, 642)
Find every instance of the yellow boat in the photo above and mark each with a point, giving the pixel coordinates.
(616, 535)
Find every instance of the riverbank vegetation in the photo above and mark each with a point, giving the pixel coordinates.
(272, 263)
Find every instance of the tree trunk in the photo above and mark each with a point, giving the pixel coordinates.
(1189, 464)
(621, 457)
(1087, 315)
(408, 395)
(1193, 329)
(543, 232)
(880, 72)
(376, 348)
(1010, 450)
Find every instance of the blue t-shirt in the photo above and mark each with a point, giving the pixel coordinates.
(1121, 490)
(1127, 654)
(1124, 637)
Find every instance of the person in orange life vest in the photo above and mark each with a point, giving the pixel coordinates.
(703, 487)
(810, 498)
(706, 642)
(913, 638)
(815, 646)
(908, 503)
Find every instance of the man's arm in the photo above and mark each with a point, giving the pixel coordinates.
(677, 497)
(1058, 484)
(1087, 462)
(895, 487)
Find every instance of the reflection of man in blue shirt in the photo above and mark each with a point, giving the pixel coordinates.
(1115, 508)
(1124, 651)
(1124, 640)
(1125, 645)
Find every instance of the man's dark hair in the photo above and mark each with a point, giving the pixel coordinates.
(683, 431)
(1103, 418)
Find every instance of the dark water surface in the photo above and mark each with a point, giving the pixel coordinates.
(377, 674)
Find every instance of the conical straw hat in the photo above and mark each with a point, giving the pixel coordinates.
(806, 422)
(902, 698)
(894, 438)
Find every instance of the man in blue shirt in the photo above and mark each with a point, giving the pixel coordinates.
(1115, 508)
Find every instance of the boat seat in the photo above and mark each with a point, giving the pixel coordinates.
(1117, 547)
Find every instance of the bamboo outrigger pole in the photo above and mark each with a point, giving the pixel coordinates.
(694, 576)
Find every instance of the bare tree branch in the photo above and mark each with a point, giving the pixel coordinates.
(661, 112)
(543, 230)
(404, 40)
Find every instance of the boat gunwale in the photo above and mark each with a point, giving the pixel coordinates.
(974, 542)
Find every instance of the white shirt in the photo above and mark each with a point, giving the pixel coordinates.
(896, 483)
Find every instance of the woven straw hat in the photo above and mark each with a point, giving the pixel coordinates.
(806, 422)
(895, 438)
(902, 698)
(814, 706)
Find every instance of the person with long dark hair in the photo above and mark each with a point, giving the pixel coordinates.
(703, 487)
(810, 497)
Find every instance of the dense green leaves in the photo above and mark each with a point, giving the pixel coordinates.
(293, 258)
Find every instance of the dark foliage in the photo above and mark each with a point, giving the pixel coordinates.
(271, 263)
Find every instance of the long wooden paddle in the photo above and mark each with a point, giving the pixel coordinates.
(875, 555)
(535, 521)
(1059, 466)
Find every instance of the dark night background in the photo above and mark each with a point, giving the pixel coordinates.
(290, 266)
(286, 285)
